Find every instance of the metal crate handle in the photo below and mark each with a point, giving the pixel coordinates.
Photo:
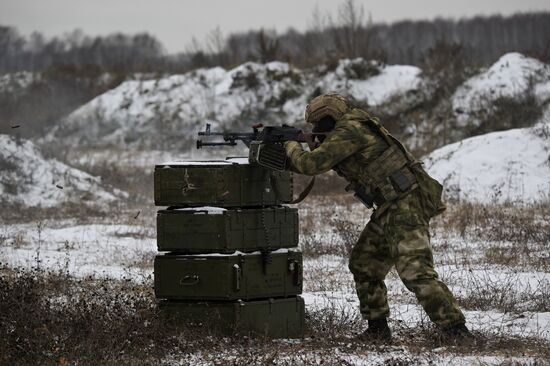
(190, 280)
(237, 277)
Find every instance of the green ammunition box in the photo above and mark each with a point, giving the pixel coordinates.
(209, 229)
(275, 318)
(228, 277)
(225, 183)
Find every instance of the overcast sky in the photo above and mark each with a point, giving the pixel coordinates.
(174, 22)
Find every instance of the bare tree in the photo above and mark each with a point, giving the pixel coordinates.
(197, 53)
(318, 21)
(350, 29)
(268, 46)
(351, 20)
(216, 44)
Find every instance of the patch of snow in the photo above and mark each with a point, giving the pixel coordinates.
(235, 253)
(204, 210)
(114, 251)
(388, 81)
(512, 76)
(542, 92)
(511, 165)
(27, 177)
(240, 161)
(453, 359)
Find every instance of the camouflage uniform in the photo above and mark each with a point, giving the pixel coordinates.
(398, 231)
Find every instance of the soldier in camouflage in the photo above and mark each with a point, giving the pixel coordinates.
(386, 177)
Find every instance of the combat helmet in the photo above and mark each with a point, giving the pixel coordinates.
(330, 104)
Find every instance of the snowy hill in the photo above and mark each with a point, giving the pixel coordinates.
(507, 166)
(173, 109)
(513, 76)
(27, 177)
(376, 85)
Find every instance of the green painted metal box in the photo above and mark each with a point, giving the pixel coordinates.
(224, 183)
(228, 277)
(212, 229)
(275, 318)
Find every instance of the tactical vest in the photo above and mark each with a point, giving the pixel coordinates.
(391, 174)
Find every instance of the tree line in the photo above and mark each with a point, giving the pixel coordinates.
(349, 33)
(107, 53)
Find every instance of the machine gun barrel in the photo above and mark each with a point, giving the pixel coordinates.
(201, 143)
(230, 138)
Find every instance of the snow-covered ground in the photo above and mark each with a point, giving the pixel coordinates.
(29, 178)
(511, 166)
(125, 251)
(117, 251)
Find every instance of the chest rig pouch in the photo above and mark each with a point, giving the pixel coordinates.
(390, 174)
(364, 195)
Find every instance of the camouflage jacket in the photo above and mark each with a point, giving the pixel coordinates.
(360, 154)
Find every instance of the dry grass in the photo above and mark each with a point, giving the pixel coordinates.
(511, 235)
(13, 213)
(498, 222)
(330, 225)
(49, 318)
(505, 113)
(486, 292)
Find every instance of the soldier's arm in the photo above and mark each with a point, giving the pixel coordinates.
(340, 143)
(291, 166)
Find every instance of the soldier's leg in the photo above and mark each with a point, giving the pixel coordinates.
(415, 267)
(370, 262)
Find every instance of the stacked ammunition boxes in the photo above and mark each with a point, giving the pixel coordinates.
(227, 242)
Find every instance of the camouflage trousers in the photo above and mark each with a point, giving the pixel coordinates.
(400, 236)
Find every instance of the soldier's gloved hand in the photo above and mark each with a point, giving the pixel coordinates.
(311, 142)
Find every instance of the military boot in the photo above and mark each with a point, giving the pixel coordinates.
(377, 331)
(457, 333)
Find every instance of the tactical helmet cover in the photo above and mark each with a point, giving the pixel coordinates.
(331, 104)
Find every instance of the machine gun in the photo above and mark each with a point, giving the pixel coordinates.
(265, 143)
